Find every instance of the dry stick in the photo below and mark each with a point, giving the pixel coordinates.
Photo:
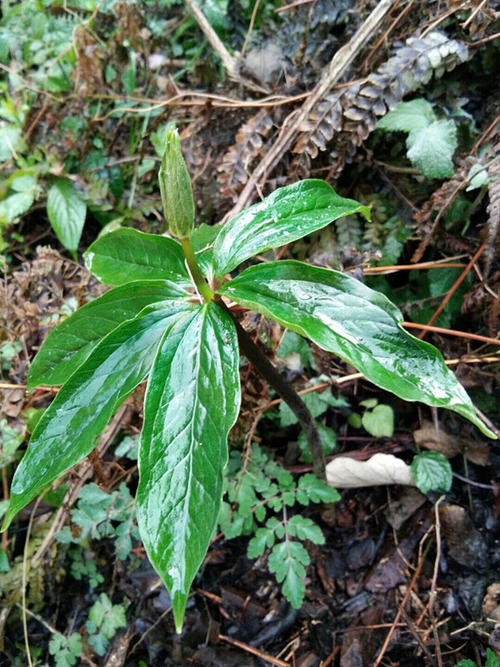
(229, 62)
(288, 394)
(452, 332)
(254, 651)
(452, 291)
(404, 601)
(339, 64)
(359, 376)
(418, 254)
(386, 35)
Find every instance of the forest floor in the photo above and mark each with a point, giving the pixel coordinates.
(291, 91)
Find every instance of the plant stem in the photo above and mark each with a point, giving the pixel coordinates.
(199, 280)
(287, 393)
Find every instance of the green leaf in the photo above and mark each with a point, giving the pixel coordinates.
(127, 254)
(71, 342)
(379, 422)
(288, 214)
(362, 326)
(315, 490)
(305, 529)
(318, 404)
(68, 430)
(478, 177)
(105, 619)
(432, 472)
(491, 659)
(67, 212)
(328, 442)
(264, 538)
(431, 149)
(288, 561)
(66, 651)
(192, 402)
(15, 205)
(10, 137)
(408, 116)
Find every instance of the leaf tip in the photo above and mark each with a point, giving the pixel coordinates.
(179, 602)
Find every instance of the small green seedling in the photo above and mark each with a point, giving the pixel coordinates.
(168, 317)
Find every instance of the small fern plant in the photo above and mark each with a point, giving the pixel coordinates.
(169, 318)
(259, 495)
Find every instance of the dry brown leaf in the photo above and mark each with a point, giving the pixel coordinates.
(491, 602)
(347, 473)
(464, 542)
(437, 440)
(449, 446)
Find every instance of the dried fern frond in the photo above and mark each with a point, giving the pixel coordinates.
(493, 209)
(346, 118)
(440, 201)
(249, 145)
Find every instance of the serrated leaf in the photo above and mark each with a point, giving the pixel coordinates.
(66, 651)
(305, 529)
(71, 342)
(379, 422)
(362, 326)
(315, 490)
(127, 254)
(431, 471)
(106, 617)
(431, 149)
(408, 116)
(288, 214)
(264, 539)
(288, 561)
(66, 211)
(192, 402)
(68, 429)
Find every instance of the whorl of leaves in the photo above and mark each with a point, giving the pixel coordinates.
(346, 117)
(249, 145)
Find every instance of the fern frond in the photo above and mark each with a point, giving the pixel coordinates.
(493, 209)
(347, 117)
(249, 145)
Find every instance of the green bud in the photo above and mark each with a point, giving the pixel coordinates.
(176, 190)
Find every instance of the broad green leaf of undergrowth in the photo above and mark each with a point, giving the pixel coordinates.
(66, 211)
(379, 422)
(286, 215)
(431, 149)
(192, 402)
(408, 116)
(68, 429)
(432, 472)
(127, 254)
(71, 342)
(343, 316)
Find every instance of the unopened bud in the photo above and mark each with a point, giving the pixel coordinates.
(176, 190)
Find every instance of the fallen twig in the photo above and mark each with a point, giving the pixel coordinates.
(291, 126)
(254, 651)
